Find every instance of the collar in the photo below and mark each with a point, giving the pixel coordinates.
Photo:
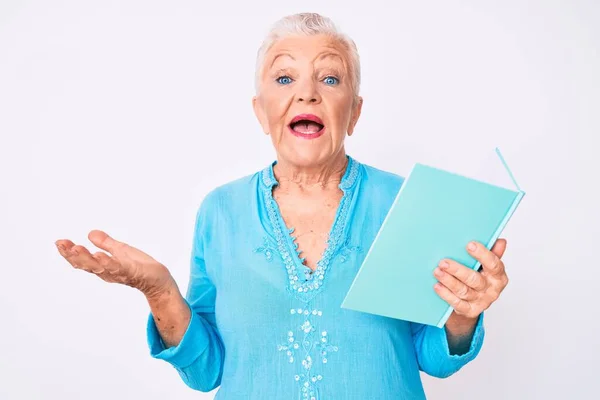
(348, 179)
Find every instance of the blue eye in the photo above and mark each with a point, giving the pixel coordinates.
(330, 80)
(284, 80)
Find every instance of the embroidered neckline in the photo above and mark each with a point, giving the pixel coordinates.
(305, 341)
(302, 281)
(348, 179)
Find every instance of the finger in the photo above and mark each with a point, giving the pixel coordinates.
(490, 262)
(108, 263)
(64, 249)
(84, 260)
(457, 287)
(63, 245)
(499, 247)
(101, 240)
(78, 256)
(466, 275)
(459, 305)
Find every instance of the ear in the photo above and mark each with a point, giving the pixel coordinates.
(355, 115)
(260, 115)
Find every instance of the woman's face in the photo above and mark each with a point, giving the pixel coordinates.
(306, 100)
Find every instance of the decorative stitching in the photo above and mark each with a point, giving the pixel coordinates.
(326, 347)
(267, 248)
(345, 251)
(311, 282)
(308, 379)
(308, 284)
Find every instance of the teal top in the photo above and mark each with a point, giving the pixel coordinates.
(264, 326)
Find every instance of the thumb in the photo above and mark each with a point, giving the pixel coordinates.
(499, 247)
(101, 240)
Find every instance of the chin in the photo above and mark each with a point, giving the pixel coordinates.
(307, 157)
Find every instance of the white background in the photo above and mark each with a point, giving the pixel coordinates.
(122, 115)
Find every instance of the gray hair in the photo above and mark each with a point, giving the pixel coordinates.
(308, 24)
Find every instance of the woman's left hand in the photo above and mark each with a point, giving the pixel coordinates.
(470, 292)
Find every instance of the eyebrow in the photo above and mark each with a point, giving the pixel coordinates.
(280, 55)
(320, 57)
(330, 54)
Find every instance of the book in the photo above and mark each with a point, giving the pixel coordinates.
(435, 214)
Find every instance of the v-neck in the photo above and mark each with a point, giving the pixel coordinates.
(302, 281)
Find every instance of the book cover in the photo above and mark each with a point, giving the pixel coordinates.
(434, 216)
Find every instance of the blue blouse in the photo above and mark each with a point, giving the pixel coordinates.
(264, 327)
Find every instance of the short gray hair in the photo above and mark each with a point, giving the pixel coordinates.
(308, 24)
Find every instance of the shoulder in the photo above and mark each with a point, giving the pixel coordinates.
(230, 195)
(377, 180)
(378, 190)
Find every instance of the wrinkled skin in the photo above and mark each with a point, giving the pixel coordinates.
(125, 264)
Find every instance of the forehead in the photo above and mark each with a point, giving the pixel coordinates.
(306, 48)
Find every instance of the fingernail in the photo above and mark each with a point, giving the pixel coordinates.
(444, 264)
(438, 272)
(61, 247)
(472, 246)
(74, 252)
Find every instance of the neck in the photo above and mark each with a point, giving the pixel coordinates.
(325, 175)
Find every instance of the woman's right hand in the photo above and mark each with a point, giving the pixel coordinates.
(125, 264)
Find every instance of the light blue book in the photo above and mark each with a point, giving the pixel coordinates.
(434, 216)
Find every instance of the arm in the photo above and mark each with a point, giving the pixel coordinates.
(460, 331)
(171, 315)
(441, 352)
(182, 330)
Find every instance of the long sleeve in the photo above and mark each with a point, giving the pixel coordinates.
(198, 358)
(433, 353)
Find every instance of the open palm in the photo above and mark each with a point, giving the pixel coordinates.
(125, 264)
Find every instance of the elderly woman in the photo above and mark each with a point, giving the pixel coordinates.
(275, 252)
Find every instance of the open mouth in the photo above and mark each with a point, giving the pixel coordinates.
(307, 125)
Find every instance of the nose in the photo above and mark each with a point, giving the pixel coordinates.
(308, 93)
